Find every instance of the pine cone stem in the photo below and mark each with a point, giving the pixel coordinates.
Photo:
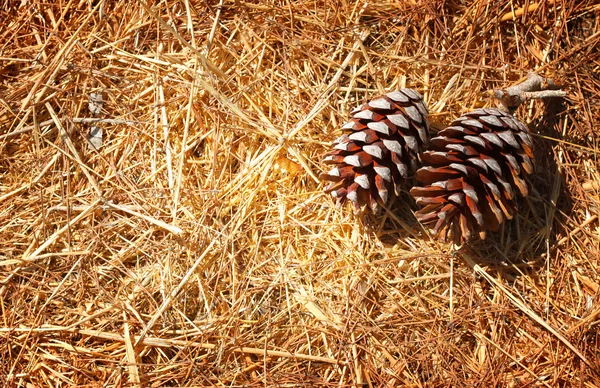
(534, 87)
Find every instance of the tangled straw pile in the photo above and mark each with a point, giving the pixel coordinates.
(195, 247)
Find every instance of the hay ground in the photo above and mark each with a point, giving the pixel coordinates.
(196, 248)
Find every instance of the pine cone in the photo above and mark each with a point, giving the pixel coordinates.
(472, 173)
(379, 150)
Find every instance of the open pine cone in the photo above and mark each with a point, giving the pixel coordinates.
(472, 173)
(379, 149)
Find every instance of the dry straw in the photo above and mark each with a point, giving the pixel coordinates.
(192, 244)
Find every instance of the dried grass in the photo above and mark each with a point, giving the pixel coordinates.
(195, 248)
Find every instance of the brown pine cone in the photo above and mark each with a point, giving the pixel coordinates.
(379, 149)
(472, 173)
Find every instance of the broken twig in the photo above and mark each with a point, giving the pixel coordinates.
(534, 87)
